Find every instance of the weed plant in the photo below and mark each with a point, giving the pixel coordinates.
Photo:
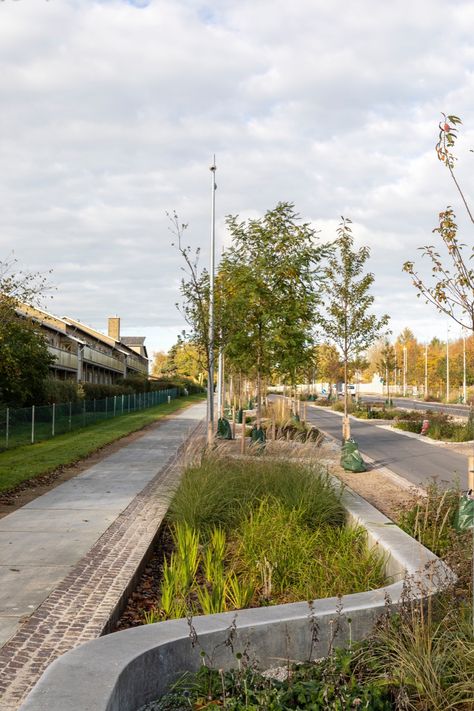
(330, 684)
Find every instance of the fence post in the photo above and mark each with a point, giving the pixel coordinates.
(115, 404)
(70, 416)
(123, 396)
(7, 428)
(84, 414)
(106, 407)
(53, 424)
(32, 424)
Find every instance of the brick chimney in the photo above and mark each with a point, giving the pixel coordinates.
(114, 328)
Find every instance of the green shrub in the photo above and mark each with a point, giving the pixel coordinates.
(99, 391)
(441, 426)
(409, 426)
(59, 391)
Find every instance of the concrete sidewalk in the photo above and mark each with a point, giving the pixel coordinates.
(42, 542)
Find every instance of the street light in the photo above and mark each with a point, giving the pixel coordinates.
(447, 364)
(426, 371)
(464, 385)
(210, 376)
(405, 364)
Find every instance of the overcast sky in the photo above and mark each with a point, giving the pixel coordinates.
(111, 112)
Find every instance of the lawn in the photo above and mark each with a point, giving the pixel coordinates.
(23, 463)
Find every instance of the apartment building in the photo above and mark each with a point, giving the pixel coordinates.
(81, 353)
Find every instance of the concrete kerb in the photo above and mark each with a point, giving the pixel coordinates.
(123, 671)
(385, 471)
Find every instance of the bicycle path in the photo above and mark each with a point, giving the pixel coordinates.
(42, 542)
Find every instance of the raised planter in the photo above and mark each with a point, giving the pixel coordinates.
(123, 671)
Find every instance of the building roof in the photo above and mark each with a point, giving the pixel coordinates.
(133, 340)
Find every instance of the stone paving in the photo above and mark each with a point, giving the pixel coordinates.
(69, 558)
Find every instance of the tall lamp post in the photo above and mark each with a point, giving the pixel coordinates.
(405, 365)
(464, 384)
(426, 371)
(210, 375)
(447, 364)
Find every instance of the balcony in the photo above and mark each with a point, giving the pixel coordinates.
(137, 364)
(102, 360)
(63, 359)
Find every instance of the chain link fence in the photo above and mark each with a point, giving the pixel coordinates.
(27, 425)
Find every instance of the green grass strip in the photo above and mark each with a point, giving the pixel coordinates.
(29, 461)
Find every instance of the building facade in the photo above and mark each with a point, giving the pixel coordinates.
(83, 354)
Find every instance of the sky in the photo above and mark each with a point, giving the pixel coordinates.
(112, 111)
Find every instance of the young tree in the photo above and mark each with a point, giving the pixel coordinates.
(25, 359)
(24, 362)
(269, 294)
(330, 366)
(451, 289)
(387, 364)
(160, 361)
(347, 320)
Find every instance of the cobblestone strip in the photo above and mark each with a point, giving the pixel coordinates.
(79, 609)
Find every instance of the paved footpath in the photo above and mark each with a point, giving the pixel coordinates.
(67, 558)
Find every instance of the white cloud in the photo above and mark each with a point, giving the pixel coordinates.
(111, 112)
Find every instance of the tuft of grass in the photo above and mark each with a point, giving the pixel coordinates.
(424, 657)
(302, 562)
(221, 492)
(24, 463)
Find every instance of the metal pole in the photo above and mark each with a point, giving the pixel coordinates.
(54, 420)
(405, 363)
(32, 424)
(447, 365)
(220, 372)
(210, 378)
(464, 387)
(7, 428)
(426, 370)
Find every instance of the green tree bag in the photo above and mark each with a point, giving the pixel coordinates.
(351, 459)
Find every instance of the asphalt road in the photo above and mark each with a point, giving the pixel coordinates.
(457, 410)
(411, 458)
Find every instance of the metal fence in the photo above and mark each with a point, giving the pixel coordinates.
(27, 425)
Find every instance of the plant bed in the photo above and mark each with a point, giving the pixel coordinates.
(125, 670)
(223, 558)
(441, 426)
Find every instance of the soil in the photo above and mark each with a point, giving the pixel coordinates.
(146, 594)
(32, 488)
